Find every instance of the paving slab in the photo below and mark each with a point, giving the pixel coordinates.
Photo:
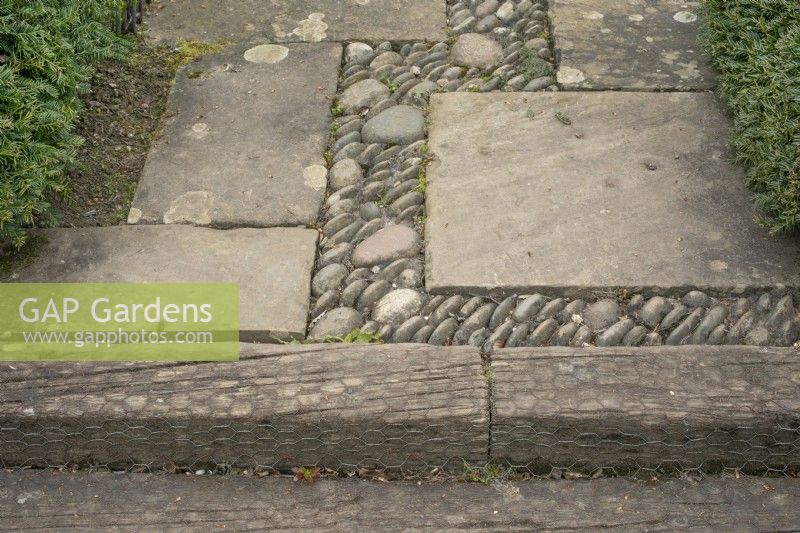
(244, 140)
(35, 500)
(574, 191)
(297, 20)
(629, 44)
(272, 266)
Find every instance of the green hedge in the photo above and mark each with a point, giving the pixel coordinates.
(755, 44)
(47, 48)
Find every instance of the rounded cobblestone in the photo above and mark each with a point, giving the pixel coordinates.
(389, 79)
(386, 245)
(615, 333)
(478, 319)
(602, 314)
(518, 337)
(329, 278)
(543, 332)
(654, 311)
(343, 173)
(405, 332)
(400, 124)
(444, 332)
(357, 52)
(529, 307)
(372, 294)
(339, 321)
(476, 50)
(398, 306)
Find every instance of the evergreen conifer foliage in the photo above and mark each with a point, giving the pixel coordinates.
(755, 45)
(47, 48)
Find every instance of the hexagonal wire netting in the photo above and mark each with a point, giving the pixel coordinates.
(97, 428)
(483, 448)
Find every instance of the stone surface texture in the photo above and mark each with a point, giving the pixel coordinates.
(272, 266)
(242, 143)
(363, 94)
(378, 185)
(386, 245)
(632, 44)
(597, 190)
(296, 20)
(476, 50)
(339, 321)
(386, 138)
(402, 124)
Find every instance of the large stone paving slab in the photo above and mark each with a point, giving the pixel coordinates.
(638, 44)
(574, 191)
(271, 266)
(244, 140)
(297, 20)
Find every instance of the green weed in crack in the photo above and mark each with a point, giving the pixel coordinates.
(533, 66)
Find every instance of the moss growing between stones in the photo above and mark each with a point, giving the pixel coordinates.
(422, 179)
(356, 336)
(392, 85)
(188, 51)
(419, 222)
(533, 66)
(337, 110)
(486, 474)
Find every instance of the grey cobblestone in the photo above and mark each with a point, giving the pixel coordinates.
(374, 186)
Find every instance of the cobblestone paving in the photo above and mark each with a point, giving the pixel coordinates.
(371, 265)
(370, 271)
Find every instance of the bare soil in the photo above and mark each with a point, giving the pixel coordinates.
(123, 113)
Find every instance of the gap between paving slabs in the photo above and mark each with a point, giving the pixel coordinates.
(371, 260)
(370, 272)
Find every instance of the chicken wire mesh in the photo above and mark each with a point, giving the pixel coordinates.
(450, 423)
(567, 451)
(393, 417)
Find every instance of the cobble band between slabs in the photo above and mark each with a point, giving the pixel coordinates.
(370, 271)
